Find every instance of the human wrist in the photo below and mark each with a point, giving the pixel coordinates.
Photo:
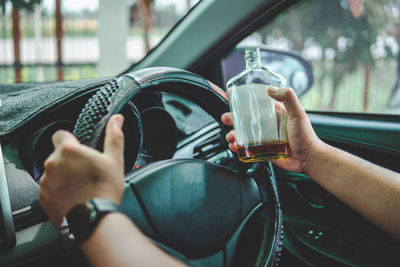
(111, 191)
(314, 154)
(113, 197)
(108, 218)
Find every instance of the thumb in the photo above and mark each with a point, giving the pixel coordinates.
(62, 136)
(114, 139)
(289, 99)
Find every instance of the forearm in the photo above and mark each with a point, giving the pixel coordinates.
(118, 242)
(371, 190)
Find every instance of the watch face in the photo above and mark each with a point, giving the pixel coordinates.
(83, 218)
(80, 214)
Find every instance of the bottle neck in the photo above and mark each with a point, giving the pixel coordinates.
(252, 57)
(253, 63)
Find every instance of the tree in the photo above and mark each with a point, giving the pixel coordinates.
(18, 5)
(393, 28)
(21, 4)
(348, 28)
(145, 16)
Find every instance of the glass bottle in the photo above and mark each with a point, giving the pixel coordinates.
(260, 127)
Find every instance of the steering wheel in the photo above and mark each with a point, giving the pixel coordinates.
(201, 213)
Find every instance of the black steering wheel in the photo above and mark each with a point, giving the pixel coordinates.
(204, 214)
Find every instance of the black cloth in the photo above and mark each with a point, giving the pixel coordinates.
(21, 103)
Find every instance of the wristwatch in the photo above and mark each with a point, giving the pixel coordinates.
(84, 217)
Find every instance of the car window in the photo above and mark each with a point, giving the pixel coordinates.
(353, 47)
(85, 39)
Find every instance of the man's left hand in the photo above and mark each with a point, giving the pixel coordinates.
(75, 173)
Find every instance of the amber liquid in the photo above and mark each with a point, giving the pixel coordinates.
(264, 152)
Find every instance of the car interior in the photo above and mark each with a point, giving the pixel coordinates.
(184, 188)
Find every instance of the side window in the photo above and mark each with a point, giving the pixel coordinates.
(353, 48)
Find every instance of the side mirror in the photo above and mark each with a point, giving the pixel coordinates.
(291, 65)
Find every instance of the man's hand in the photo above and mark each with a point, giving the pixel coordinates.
(302, 138)
(371, 190)
(75, 173)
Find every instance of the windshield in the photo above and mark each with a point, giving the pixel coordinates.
(48, 40)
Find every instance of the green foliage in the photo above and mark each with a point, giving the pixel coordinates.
(21, 4)
(331, 25)
(325, 22)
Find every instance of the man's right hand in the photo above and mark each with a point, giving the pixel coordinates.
(302, 139)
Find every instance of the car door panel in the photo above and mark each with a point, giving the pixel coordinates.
(369, 133)
(322, 230)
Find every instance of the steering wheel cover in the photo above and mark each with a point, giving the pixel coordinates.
(110, 100)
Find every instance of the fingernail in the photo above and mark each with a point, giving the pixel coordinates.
(273, 89)
(118, 120)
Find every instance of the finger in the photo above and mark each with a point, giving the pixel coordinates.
(233, 147)
(52, 213)
(62, 136)
(279, 108)
(230, 137)
(53, 166)
(218, 90)
(114, 139)
(280, 112)
(226, 118)
(43, 181)
(289, 164)
(289, 99)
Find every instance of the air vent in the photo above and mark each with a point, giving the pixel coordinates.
(209, 148)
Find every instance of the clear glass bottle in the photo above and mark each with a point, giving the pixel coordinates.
(260, 128)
